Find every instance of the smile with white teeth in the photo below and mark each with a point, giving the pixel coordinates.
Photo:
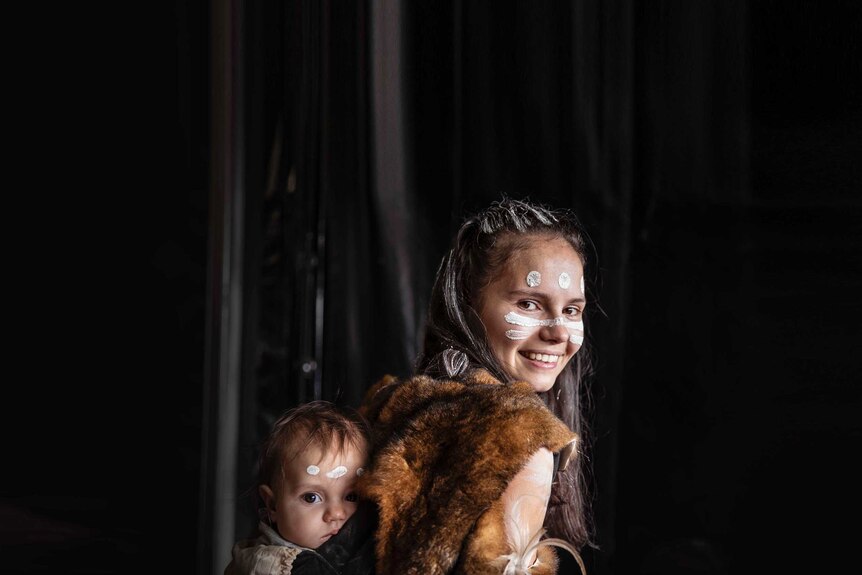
(543, 357)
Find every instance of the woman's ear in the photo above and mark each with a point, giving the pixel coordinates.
(268, 498)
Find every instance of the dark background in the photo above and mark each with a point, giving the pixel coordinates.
(712, 148)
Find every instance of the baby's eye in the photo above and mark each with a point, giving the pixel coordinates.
(311, 498)
(352, 497)
(528, 305)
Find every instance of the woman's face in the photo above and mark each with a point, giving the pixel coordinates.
(533, 311)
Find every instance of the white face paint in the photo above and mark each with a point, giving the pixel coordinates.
(517, 334)
(359, 472)
(565, 280)
(582, 286)
(534, 279)
(576, 328)
(339, 471)
(576, 332)
(518, 319)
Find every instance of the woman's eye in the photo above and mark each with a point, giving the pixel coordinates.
(311, 498)
(528, 305)
(352, 497)
(571, 310)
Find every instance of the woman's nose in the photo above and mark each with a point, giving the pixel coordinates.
(554, 333)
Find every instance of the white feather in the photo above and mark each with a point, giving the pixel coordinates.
(524, 545)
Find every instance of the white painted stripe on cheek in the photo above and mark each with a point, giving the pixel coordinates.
(576, 332)
(518, 319)
(517, 334)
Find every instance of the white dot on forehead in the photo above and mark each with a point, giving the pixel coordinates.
(582, 285)
(534, 278)
(359, 472)
(337, 472)
(312, 470)
(565, 280)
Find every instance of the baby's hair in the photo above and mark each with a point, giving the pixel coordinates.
(320, 424)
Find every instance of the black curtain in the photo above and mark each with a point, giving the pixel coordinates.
(280, 180)
(373, 130)
(678, 132)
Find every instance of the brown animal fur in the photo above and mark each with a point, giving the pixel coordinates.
(444, 453)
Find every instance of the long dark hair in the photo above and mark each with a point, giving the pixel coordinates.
(455, 340)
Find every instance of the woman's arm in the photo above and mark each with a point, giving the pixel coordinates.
(525, 502)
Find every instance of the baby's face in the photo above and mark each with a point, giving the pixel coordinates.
(317, 495)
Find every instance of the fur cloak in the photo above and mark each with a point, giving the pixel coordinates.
(444, 452)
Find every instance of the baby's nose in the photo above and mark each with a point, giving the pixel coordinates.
(335, 512)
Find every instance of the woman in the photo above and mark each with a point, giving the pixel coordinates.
(474, 453)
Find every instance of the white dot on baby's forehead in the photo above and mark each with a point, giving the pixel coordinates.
(339, 471)
(312, 470)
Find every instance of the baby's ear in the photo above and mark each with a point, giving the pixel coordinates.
(268, 498)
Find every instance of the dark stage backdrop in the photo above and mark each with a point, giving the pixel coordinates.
(369, 132)
(308, 163)
(708, 147)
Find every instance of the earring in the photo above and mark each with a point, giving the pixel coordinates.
(454, 361)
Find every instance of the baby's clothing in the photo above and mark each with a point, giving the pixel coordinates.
(267, 554)
(351, 552)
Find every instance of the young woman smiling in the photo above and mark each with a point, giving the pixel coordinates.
(478, 456)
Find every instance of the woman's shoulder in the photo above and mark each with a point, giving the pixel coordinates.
(425, 386)
(477, 402)
(445, 451)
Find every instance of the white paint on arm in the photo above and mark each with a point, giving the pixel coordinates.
(525, 503)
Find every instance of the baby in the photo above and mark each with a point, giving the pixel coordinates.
(309, 464)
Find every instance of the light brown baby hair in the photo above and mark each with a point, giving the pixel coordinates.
(318, 423)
